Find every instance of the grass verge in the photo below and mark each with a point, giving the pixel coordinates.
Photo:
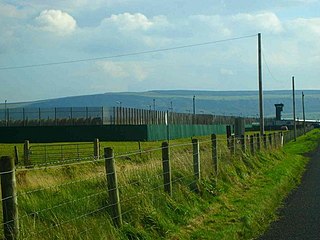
(245, 210)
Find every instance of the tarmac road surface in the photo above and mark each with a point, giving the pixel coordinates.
(300, 217)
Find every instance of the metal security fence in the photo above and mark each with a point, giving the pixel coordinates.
(75, 116)
(51, 116)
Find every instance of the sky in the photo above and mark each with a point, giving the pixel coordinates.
(36, 32)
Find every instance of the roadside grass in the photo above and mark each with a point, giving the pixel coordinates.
(304, 144)
(245, 210)
(71, 202)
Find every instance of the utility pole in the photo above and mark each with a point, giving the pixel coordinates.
(304, 115)
(194, 105)
(294, 110)
(260, 86)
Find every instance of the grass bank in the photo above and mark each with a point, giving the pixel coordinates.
(249, 205)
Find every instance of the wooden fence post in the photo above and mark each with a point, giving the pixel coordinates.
(167, 183)
(233, 145)
(287, 137)
(140, 151)
(265, 145)
(258, 142)
(228, 130)
(9, 198)
(16, 155)
(252, 149)
(214, 153)
(26, 153)
(275, 140)
(196, 158)
(112, 184)
(96, 149)
(243, 143)
(270, 140)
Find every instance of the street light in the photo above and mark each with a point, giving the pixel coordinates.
(194, 104)
(5, 112)
(119, 102)
(171, 106)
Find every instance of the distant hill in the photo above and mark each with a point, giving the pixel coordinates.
(243, 103)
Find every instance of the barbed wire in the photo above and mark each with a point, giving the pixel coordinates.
(7, 172)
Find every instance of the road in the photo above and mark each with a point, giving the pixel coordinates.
(300, 217)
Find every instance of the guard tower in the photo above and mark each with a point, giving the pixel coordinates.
(279, 109)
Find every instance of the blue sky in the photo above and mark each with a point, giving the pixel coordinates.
(43, 31)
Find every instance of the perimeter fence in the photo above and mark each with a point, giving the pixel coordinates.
(91, 197)
(79, 116)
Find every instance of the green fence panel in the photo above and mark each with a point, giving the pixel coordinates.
(162, 132)
(45, 134)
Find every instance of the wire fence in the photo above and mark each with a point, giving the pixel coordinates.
(91, 198)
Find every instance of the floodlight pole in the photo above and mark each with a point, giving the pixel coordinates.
(294, 111)
(5, 113)
(194, 104)
(260, 86)
(304, 115)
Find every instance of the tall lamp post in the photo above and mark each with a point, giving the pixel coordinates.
(119, 113)
(194, 105)
(304, 115)
(294, 110)
(194, 109)
(5, 112)
(120, 103)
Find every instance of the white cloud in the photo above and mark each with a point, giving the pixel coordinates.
(227, 72)
(56, 21)
(123, 70)
(113, 69)
(8, 10)
(136, 21)
(305, 27)
(266, 21)
(214, 23)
